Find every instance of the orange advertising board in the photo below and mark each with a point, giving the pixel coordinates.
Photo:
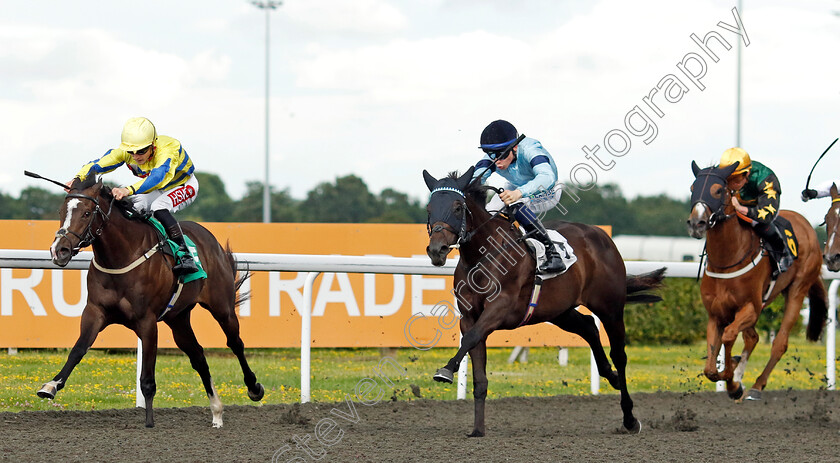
(41, 307)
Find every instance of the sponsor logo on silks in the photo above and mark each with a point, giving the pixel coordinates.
(179, 195)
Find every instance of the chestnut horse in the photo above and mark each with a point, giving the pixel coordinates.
(831, 253)
(737, 284)
(137, 297)
(494, 280)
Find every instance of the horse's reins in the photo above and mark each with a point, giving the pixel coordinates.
(463, 235)
(90, 237)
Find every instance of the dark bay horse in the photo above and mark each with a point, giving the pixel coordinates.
(495, 277)
(831, 252)
(737, 279)
(137, 298)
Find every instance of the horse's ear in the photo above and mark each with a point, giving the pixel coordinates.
(727, 171)
(465, 179)
(431, 182)
(833, 190)
(695, 168)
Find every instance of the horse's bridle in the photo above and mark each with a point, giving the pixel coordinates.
(462, 234)
(718, 215)
(88, 236)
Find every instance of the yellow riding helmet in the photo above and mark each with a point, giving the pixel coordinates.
(137, 134)
(733, 155)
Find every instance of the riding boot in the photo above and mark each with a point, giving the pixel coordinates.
(533, 227)
(779, 250)
(186, 264)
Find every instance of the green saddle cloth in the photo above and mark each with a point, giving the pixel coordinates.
(190, 245)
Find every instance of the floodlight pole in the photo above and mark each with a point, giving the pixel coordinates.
(267, 6)
(738, 90)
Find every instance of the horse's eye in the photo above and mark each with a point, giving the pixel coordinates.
(87, 213)
(716, 191)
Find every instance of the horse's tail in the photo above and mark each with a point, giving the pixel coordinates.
(239, 279)
(638, 287)
(819, 310)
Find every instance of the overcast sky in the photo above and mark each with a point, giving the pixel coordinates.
(385, 88)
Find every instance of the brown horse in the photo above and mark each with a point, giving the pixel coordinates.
(737, 284)
(138, 297)
(494, 280)
(831, 253)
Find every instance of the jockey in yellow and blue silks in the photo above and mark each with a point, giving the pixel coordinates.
(756, 200)
(531, 182)
(166, 184)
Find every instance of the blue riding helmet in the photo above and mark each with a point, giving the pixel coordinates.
(497, 136)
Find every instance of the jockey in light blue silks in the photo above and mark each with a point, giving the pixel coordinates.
(531, 185)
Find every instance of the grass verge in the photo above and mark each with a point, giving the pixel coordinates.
(106, 378)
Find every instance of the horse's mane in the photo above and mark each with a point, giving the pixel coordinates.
(475, 190)
(125, 206)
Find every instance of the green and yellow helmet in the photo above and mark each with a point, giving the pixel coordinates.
(733, 155)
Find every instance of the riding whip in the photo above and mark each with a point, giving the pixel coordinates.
(34, 175)
(807, 182)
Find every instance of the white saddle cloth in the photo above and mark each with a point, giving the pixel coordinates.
(565, 252)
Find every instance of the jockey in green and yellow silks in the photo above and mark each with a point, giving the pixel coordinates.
(756, 200)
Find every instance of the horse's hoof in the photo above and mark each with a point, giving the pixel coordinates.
(737, 394)
(754, 394)
(444, 376)
(476, 433)
(259, 395)
(635, 429)
(47, 391)
(150, 425)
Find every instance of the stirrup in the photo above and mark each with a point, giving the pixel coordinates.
(552, 257)
(186, 263)
(186, 267)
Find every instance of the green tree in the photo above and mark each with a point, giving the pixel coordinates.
(346, 200)
(9, 207)
(39, 204)
(284, 208)
(396, 207)
(659, 215)
(601, 205)
(213, 203)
